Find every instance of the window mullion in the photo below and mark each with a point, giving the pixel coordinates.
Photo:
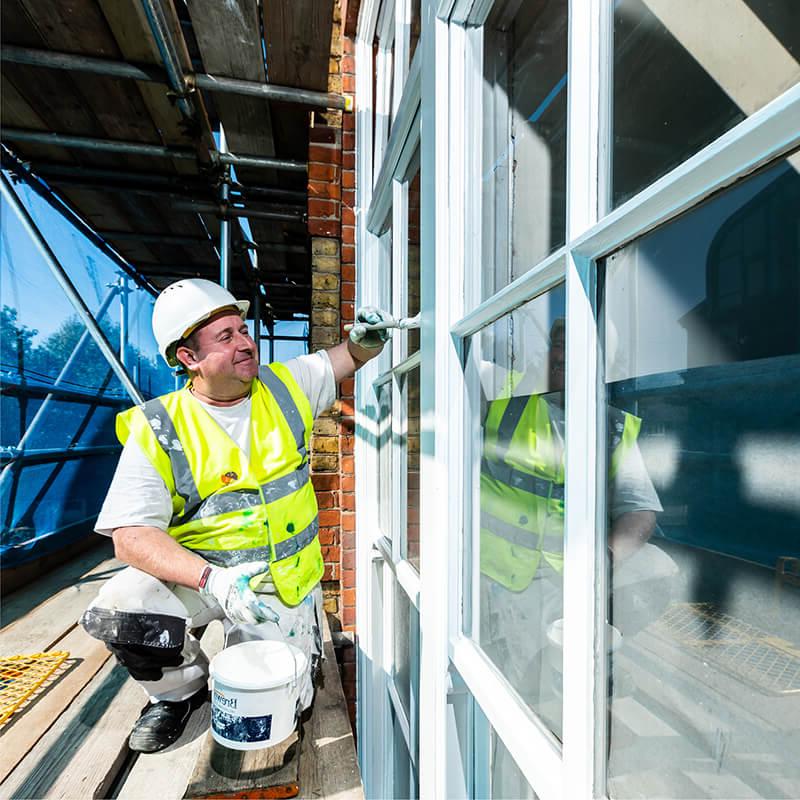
(584, 506)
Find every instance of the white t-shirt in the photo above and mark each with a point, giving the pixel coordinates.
(138, 494)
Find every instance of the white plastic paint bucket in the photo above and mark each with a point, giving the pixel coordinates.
(254, 688)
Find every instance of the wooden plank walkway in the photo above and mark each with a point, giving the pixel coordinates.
(70, 741)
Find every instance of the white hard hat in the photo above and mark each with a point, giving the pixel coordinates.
(182, 306)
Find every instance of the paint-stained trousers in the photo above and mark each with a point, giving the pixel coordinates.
(150, 627)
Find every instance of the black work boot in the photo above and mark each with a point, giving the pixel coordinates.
(162, 723)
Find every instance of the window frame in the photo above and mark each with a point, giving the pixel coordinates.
(444, 81)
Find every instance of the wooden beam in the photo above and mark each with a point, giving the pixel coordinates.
(82, 752)
(298, 40)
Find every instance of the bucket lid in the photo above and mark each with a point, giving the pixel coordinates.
(258, 665)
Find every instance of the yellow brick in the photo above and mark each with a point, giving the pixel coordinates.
(331, 604)
(324, 299)
(325, 426)
(324, 337)
(327, 317)
(324, 462)
(325, 263)
(333, 119)
(335, 84)
(320, 246)
(325, 281)
(325, 444)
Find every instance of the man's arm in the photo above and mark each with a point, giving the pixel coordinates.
(155, 552)
(347, 356)
(629, 532)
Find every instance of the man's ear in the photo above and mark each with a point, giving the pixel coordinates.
(187, 358)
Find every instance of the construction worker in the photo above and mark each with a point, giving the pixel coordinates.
(211, 504)
(522, 529)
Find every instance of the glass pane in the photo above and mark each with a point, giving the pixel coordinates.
(506, 781)
(524, 139)
(384, 444)
(402, 655)
(406, 784)
(684, 73)
(286, 349)
(412, 468)
(405, 673)
(412, 284)
(703, 367)
(515, 379)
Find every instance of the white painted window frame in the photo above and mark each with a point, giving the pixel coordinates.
(450, 312)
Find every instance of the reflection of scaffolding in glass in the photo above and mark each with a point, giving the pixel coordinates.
(764, 661)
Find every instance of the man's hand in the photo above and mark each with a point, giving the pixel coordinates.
(362, 335)
(230, 587)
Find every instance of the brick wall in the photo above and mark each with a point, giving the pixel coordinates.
(331, 225)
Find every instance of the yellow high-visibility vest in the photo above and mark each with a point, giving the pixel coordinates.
(225, 507)
(522, 488)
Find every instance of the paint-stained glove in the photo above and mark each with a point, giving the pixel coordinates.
(230, 587)
(362, 335)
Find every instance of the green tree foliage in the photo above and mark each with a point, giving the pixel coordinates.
(43, 360)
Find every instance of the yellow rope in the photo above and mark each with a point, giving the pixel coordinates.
(21, 676)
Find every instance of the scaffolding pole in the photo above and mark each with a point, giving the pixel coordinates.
(151, 150)
(146, 73)
(224, 225)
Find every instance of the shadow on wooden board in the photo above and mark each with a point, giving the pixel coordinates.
(223, 772)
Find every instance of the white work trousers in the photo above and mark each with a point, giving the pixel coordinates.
(133, 592)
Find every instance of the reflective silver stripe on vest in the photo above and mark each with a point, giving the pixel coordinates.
(225, 503)
(288, 547)
(289, 408)
(160, 421)
(520, 536)
(516, 479)
(230, 558)
(284, 549)
(242, 499)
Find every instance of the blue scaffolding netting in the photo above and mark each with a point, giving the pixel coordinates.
(59, 392)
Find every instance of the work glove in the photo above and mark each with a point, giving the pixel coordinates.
(230, 587)
(364, 337)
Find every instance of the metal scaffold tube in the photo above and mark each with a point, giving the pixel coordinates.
(155, 150)
(10, 198)
(146, 73)
(169, 56)
(225, 225)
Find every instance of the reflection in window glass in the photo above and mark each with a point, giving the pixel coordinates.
(413, 287)
(506, 781)
(402, 677)
(412, 467)
(405, 673)
(287, 349)
(384, 446)
(406, 782)
(524, 138)
(703, 367)
(677, 84)
(516, 378)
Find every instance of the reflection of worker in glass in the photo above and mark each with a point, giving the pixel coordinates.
(522, 521)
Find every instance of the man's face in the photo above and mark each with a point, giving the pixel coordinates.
(223, 350)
